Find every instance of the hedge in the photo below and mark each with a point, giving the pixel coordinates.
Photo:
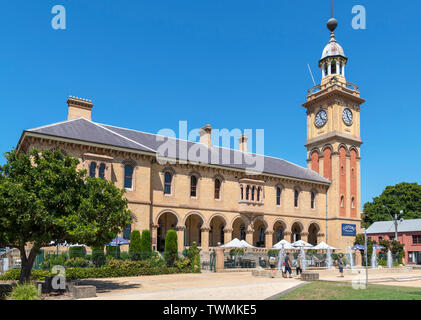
(111, 270)
(77, 252)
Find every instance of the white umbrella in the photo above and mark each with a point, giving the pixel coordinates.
(246, 245)
(235, 243)
(323, 246)
(301, 243)
(285, 244)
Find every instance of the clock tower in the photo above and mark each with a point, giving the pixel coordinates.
(333, 140)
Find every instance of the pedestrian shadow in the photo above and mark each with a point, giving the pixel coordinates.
(104, 286)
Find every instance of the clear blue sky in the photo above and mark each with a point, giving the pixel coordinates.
(231, 63)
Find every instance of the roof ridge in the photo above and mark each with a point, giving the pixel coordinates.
(117, 134)
(55, 124)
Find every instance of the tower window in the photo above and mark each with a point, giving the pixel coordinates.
(342, 201)
(252, 193)
(248, 193)
(326, 69)
(258, 193)
(333, 66)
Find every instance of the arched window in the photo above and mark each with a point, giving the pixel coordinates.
(243, 233)
(247, 192)
(217, 189)
(128, 176)
(278, 196)
(313, 200)
(92, 170)
(167, 183)
(342, 201)
(241, 191)
(221, 235)
(258, 194)
(127, 232)
(253, 189)
(262, 235)
(102, 171)
(296, 197)
(279, 235)
(193, 186)
(353, 203)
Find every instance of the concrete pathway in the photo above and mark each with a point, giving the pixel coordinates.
(209, 286)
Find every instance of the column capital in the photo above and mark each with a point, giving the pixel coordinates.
(179, 228)
(287, 233)
(304, 234)
(205, 229)
(269, 232)
(155, 226)
(228, 230)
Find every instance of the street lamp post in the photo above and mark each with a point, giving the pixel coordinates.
(395, 220)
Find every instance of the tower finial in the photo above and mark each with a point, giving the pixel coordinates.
(332, 24)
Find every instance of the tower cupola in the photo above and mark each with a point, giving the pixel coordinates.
(333, 58)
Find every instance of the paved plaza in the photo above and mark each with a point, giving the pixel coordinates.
(227, 286)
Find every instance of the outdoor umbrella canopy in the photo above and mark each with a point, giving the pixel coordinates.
(235, 243)
(377, 247)
(285, 244)
(118, 241)
(358, 247)
(323, 246)
(301, 243)
(246, 245)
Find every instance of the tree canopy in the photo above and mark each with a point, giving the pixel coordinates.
(403, 196)
(45, 200)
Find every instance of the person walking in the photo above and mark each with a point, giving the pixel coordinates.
(299, 265)
(288, 265)
(272, 263)
(341, 265)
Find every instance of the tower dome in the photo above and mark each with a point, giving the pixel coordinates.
(333, 58)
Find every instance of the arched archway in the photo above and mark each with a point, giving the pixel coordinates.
(192, 232)
(278, 232)
(296, 230)
(259, 239)
(239, 228)
(216, 233)
(313, 230)
(167, 221)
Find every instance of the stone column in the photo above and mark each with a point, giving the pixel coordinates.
(268, 239)
(329, 68)
(343, 69)
(249, 236)
(205, 239)
(287, 236)
(180, 238)
(154, 236)
(227, 235)
(304, 236)
(320, 237)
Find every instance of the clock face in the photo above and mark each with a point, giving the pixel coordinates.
(347, 116)
(321, 118)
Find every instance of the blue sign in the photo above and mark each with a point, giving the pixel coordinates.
(349, 230)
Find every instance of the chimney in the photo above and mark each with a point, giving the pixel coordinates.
(243, 143)
(79, 107)
(205, 135)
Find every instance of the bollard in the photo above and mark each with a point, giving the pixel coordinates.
(219, 259)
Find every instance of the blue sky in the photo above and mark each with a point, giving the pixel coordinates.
(231, 63)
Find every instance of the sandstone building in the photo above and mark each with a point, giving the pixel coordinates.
(214, 201)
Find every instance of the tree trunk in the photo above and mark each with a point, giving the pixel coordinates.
(27, 264)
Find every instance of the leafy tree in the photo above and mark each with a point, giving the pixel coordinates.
(403, 196)
(171, 247)
(135, 247)
(98, 256)
(45, 200)
(145, 244)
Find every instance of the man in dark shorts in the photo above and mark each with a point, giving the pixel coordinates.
(288, 265)
(341, 265)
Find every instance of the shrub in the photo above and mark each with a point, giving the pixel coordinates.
(113, 252)
(125, 255)
(5, 290)
(193, 254)
(145, 244)
(273, 253)
(236, 252)
(98, 256)
(77, 252)
(171, 247)
(76, 263)
(135, 246)
(27, 291)
(51, 260)
(15, 273)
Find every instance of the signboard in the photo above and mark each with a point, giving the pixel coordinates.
(349, 230)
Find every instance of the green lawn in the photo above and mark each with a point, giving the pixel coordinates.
(321, 290)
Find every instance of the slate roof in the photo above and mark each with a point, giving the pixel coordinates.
(84, 130)
(389, 226)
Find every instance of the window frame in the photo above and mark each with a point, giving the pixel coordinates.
(125, 177)
(168, 184)
(93, 163)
